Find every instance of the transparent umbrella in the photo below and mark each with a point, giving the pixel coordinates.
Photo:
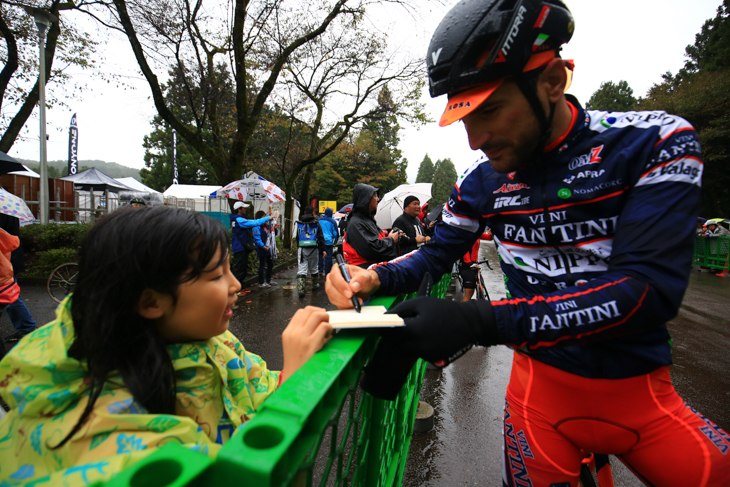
(390, 206)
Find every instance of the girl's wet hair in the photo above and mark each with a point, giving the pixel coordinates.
(131, 250)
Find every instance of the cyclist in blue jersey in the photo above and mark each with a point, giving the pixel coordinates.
(567, 194)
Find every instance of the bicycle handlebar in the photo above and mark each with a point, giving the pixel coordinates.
(482, 262)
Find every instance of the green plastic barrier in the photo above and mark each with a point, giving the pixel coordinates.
(320, 428)
(712, 252)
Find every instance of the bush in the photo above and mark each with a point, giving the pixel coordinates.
(40, 238)
(48, 260)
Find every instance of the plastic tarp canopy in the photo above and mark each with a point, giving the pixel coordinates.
(93, 178)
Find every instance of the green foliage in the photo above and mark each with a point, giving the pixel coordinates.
(425, 170)
(369, 156)
(72, 48)
(612, 97)
(711, 50)
(700, 93)
(41, 238)
(444, 178)
(46, 261)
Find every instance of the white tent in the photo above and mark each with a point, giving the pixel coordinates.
(136, 185)
(28, 172)
(195, 197)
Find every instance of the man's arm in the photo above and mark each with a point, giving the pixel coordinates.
(244, 223)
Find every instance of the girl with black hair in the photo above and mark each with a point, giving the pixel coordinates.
(139, 355)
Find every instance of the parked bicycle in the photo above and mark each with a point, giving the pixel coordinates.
(481, 288)
(62, 281)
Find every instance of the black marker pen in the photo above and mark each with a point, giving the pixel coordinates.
(343, 268)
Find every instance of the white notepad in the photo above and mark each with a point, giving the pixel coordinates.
(370, 317)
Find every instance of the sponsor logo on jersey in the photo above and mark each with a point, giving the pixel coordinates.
(512, 174)
(568, 314)
(514, 453)
(503, 201)
(509, 187)
(584, 175)
(607, 121)
(593, 157)
(564, 193)
(597, 187)
(685, 170)
(677, 149)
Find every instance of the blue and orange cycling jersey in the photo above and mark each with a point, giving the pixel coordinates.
(595, 241)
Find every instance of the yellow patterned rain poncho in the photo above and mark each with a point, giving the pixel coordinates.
(219, 387)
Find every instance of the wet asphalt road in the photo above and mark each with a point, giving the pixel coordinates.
(465, 446)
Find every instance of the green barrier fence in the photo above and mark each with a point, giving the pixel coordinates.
(220, 216)
(318, 429)
(712, 252)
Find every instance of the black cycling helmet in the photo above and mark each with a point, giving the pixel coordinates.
(137, 201)
(481, 41)
(515, 29)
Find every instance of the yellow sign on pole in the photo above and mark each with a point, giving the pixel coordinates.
(327, 204)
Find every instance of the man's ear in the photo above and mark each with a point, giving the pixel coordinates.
(553, 79)
(152, 304)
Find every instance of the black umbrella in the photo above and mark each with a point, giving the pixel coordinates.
(8, 164)
(433, 215)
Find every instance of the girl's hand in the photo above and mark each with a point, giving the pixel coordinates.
(306, 334)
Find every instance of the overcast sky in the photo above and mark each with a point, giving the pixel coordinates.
(632, 40)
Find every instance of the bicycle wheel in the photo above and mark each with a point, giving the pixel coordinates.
(586, 477)
(62, 281)
(483, 288)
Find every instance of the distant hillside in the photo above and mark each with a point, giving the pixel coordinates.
(57, 169)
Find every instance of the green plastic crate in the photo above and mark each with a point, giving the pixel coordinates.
(318, 429)
(712, 252)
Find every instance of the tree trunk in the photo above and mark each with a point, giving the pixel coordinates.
(16, 125)
(304, 192)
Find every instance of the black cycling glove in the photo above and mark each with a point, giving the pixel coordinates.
(440, 330)
(437, 330)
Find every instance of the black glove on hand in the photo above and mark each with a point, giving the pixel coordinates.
(390, 365)
(440, 331)
(437, 330)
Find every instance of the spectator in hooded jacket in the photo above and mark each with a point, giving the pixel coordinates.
(331, 233)
(363, 244)
(716, 230)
